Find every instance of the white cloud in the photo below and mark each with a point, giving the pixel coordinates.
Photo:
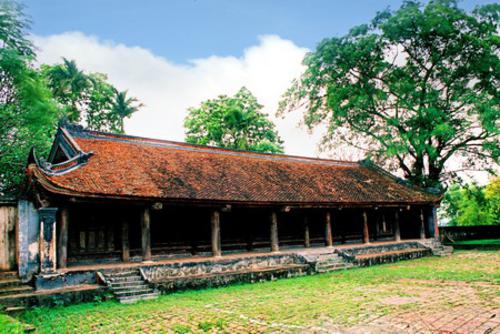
(168, 89)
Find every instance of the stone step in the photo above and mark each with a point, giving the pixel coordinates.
(8, 274)
(7, 282)
(334, 267)
(331, 261)
(124, 279)
(331, 265)
(123, 273)
(137, 292)
(12, 290)
(133, 299)
(125, 284)
(14, 309)
(131, 288)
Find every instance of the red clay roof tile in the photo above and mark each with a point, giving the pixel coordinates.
(148, 168)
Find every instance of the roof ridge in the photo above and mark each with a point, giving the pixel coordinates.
(80, 131)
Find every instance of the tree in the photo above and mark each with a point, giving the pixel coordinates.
(13, 27)
(28, 114)
(414, 88)
(235, 122)
(470, 204)
(124, 107)
(70, 86)
(88, 97)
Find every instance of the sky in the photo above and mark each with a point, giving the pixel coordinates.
(174, 54)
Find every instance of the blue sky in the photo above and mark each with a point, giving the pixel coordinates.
(174, 54)
(186, 29)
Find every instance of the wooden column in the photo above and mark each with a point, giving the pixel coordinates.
(328, 229)
(125, 242)
(422, 224)
(274, 232)
(397, 231)
(366, 232)
(307, 238)
(146, 235)
(47, 241)
(215, 222)
(62, 244)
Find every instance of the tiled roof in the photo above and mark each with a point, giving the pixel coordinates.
(133, 167)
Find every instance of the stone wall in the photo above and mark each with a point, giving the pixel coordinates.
(8, 220)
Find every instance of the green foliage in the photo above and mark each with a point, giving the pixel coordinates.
(13, 27)
(10, 325)
(472, 205)
(28, 115)
(89, 98)
(123, 107)
(235, 122)
(413, 88)
(32, 101)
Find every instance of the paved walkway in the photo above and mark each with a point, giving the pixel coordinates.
(471, 308)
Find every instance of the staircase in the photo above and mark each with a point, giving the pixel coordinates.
(129, 286)
(437, 248)
(325, 261)
(11, 290)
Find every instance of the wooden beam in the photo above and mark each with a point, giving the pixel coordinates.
(328, 229)
(62, 247)
(422, 224)
(366, 232)
(274, 232)
(307, 238)
(146, 235)
(125, 242)
(215, 223)
(397, 231)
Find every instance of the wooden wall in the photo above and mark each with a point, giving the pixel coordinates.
(8, 219)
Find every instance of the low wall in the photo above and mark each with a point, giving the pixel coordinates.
(459, 233)
(163, 272)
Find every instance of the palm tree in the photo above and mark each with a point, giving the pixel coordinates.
(68, 83)
(123, 106)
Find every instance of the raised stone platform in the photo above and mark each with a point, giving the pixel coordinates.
(133, 281)
(378, 254)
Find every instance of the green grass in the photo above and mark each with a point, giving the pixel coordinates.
(344, 298)
(10, 325)
(478, 242)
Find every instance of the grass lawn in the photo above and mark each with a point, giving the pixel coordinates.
(341, 299)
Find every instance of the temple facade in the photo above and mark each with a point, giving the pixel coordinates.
(102, 198)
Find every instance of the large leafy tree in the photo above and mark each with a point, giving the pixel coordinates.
(235, 122)
(70, 86)
(28, 114)
(473, 205)
(415, 88)
(89, 97)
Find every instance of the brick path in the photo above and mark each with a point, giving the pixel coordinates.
(443, 307)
